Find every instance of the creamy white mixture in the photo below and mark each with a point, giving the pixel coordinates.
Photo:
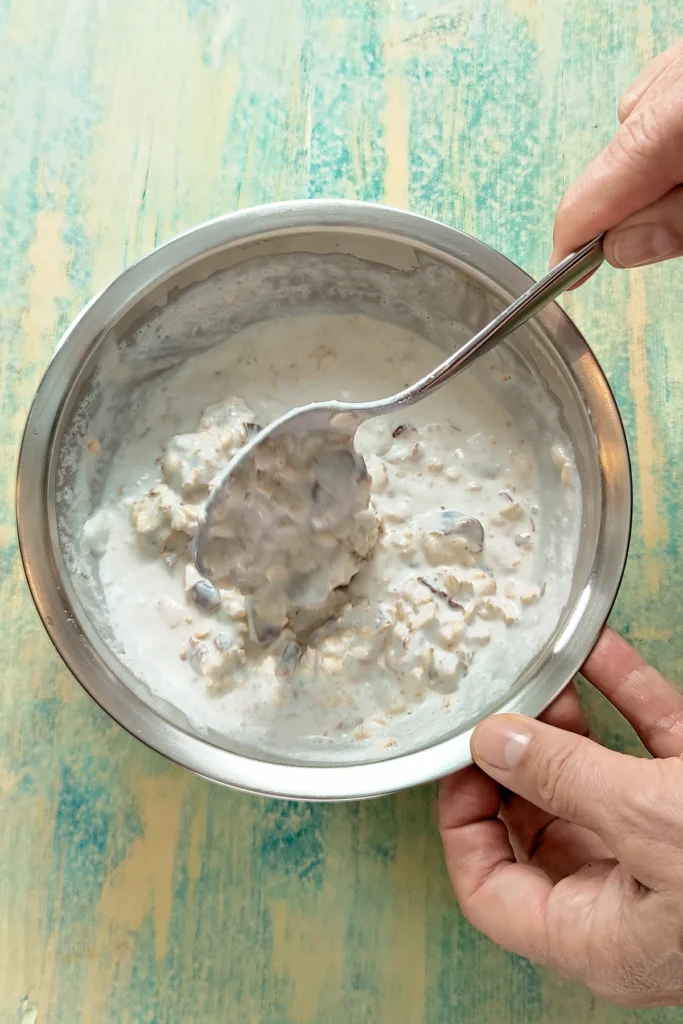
(289, 525)
(434, 618)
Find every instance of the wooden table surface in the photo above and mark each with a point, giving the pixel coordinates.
(131, 891)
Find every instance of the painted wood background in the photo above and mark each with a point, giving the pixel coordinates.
(129, 890)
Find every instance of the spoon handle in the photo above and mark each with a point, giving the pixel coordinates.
(563, 276)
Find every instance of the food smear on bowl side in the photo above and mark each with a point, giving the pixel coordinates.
(446, 574)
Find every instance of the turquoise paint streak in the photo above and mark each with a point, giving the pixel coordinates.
(474, 136)
(343, 56)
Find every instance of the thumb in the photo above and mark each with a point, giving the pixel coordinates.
(649, 236)
(568, 776)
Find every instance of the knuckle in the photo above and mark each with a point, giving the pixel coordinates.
(650, 140)
(658, 803)
(640, 135)
(554, 773)
(626, 104)
(672, 720)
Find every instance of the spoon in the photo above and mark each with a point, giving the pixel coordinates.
(230, 526)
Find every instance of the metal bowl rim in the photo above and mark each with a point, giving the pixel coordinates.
(271, 778)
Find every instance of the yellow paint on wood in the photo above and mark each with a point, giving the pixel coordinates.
(397, 142)
(532, 12)
(137, 888)
(654, 529)
(48, 260)
(311, 968)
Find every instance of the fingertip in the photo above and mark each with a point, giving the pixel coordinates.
(501, 741)
(556, 257)
(571, 229)
(563, 235)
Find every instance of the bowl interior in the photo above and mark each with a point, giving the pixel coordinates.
(199, 304)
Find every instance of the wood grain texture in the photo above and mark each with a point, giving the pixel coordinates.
(131, 891)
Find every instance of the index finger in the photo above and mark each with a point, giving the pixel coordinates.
(641, 164)
(504, 899)
(648, 701)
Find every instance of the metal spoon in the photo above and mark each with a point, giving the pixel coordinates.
(342, 419)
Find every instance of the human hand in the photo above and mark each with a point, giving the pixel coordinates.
(571, 854)
(632, 189)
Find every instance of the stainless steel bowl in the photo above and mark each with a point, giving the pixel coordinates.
(337, 256)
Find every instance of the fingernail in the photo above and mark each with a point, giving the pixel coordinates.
(500, 741)
(644, 243)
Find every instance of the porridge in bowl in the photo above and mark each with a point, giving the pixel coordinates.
(442, 583)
